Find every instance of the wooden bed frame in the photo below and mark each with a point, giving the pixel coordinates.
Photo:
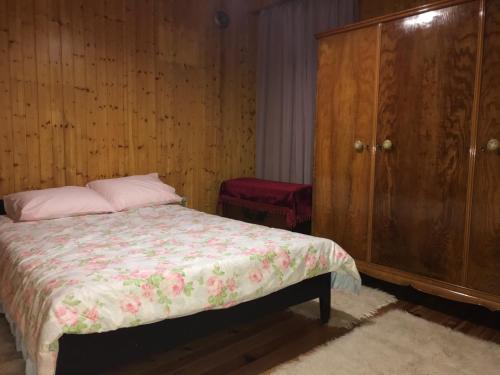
(192, 326)
(169, 333)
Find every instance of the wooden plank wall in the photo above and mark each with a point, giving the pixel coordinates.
(105, 88)
(238, 95)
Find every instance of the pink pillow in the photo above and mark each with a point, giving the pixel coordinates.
(54, 203)
(135, 191)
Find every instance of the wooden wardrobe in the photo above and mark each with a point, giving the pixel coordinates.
(407, 153)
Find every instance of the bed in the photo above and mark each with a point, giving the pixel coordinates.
(99, 273)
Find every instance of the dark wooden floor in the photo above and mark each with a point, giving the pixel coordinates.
(251, 348)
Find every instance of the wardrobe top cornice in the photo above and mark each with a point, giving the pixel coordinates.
(393, 16)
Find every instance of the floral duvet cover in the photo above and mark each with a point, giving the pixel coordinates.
(98, 273)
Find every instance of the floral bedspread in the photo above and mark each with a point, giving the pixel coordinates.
(99, 273)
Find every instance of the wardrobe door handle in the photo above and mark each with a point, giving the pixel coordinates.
(493, 145)
(359, 146)
(387, 145)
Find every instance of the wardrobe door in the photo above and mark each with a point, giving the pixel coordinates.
(427, 77)
(344, 122)
(484, 252)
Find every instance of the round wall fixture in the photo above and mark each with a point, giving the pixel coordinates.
(222, 19)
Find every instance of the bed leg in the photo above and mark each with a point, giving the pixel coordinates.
(325, 300)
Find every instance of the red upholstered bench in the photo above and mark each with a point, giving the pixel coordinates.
(274, 204)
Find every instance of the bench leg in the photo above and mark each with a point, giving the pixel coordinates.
(325, 301)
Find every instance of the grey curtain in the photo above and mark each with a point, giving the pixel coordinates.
(286, 84)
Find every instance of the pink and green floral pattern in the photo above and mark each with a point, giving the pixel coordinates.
(99, 273)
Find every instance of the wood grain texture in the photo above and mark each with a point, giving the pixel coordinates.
(94, 89)
(345, 114)
(426, 94)
(6, 149)
(429, 285)
(377, 8)
(484, 253)
(251, 348)
(238, 88)
(260, 5)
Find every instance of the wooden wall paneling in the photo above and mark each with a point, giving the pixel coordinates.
(193, 70)
(130, 103)
(146, 100)
(189, 69)
(160, 41)
(81, 92)
(115, 74)
(191, 107)
(110, 65)
(212, 103)
(179, 143)
(182, 64)
(146, 129)
(17, 95)
(200, 130)
(106, 51)
(209, 84)
(6, 143)
(346, 114)
(186, 106)
(56, 92)
(30, 94)
(124, 147)
(167, 147)
(203, 130)
(192, 59)
(94, 89)
(144, 89)
(70, 121)
(484, 249)
(43, 95)
(102, 128)
(419, 210)
(92, 99)
(212, 108)
(239, 89)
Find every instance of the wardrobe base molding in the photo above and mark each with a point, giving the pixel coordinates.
(429, 285)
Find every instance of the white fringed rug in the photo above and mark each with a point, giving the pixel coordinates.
(397, 343)
(348, 308)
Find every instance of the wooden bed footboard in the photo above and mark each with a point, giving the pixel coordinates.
(73, 349)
